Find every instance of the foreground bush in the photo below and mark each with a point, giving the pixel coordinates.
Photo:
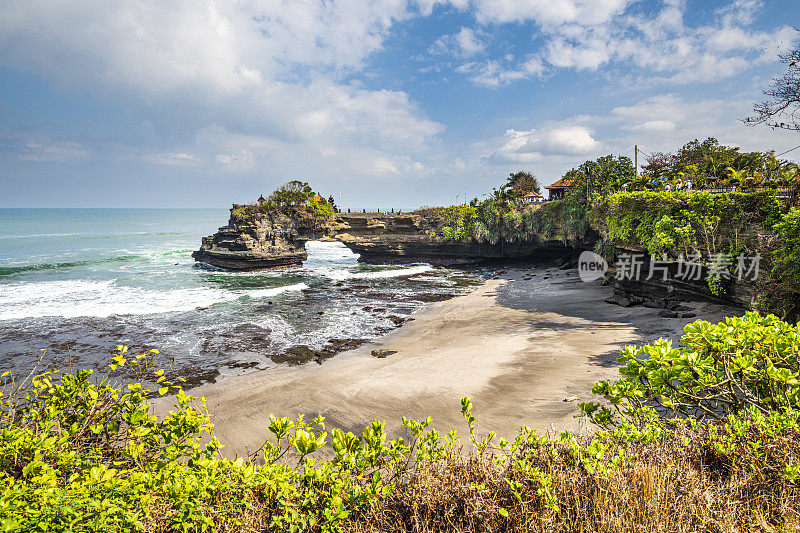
(84, 455)
(748, 362)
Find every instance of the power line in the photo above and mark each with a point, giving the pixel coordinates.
(787, 151)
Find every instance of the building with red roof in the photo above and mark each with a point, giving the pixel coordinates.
(561, 187)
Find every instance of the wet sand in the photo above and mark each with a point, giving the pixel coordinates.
(526, 346)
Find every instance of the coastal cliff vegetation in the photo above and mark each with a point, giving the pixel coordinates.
(609, 185)
(702, 437)
(704, 200)
(295, 199)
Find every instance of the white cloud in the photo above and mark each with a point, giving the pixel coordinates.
(549, 12)
(666, 122)
(467, 42)
(237, 162)
(172, 159)
(531, 145)
(262, 69)
(496, 73)
(661, 44)
(739, 12)
(656, 125)
(662, 122)
(588, 54)
(228, 46)
(53, 151)
(668, 50)
(265, 88)
(660, 111)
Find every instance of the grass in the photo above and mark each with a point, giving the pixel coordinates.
(681, 483)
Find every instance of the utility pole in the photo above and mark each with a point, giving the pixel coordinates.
(636, 160)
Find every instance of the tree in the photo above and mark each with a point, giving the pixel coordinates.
(517, 185)
(657, 164)
(706, 158)
(607, 172)
(294, 194)
(782, 109)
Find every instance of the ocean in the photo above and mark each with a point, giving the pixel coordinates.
(78, 282)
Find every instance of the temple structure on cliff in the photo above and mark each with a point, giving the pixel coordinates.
(531, 197)
(561, 187)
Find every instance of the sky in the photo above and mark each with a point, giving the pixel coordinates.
(381, 103)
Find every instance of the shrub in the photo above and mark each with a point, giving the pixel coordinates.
(680, 222)
(780, 288)
(85, 455)
(494, 221)
(736, 476)
(748, 362)
(295, 199)
(457, 223)
(697, 224)
(79, 454)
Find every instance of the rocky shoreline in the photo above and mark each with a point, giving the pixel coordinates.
(527, 346)
(265, 242)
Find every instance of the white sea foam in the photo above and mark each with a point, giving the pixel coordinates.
(397, 272)
(343, 323)
(75, 298)
(35, 235)
(266, 293)
(335, 261)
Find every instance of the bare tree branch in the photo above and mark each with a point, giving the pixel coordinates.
(782, 109)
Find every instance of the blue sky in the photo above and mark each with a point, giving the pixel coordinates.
(388, 103)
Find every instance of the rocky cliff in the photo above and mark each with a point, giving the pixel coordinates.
(406, 238)
(656, 290)
(260, 242)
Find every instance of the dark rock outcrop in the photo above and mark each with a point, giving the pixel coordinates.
(406, 238)
(661, 293)
(259, 242)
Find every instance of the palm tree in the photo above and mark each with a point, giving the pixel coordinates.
(641, 183)
(788, 174)
(773, 165)
(736, 176)
(713, 162)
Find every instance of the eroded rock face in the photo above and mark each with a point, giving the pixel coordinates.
(661, 291)
(264, 242)
(260, 242)
(405, 238)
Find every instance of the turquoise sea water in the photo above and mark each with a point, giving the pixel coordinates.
(77, 282)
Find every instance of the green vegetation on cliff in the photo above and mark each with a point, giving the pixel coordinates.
(673, 223)
(502, 218)
(780, 287)
(705, 434)
(294, 199)
(743, 211)
(704, 225)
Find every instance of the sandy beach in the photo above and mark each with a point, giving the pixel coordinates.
(526, 346)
